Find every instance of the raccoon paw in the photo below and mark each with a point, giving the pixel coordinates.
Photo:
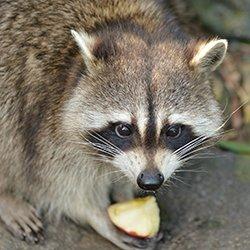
(147, 243)
(21, 219)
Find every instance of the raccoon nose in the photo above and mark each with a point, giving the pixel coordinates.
(150, 179)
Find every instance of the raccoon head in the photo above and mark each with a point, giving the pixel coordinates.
(144, 105)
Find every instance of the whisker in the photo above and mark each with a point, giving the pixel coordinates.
(198, 149)
(225, 107)
(97, 146)
(110, 173)
(179, 179)
(119, 178)
(185, 153)
(92, 153)
(110, 143)
(184, 156)
(191, 171)
(190, 148)
(187, 144)
(195, 157)
(106, 142)
(230, 115)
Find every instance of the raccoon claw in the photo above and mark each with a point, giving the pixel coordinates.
(28, 227)
(147, 243)
(34, 238)
(22, 221)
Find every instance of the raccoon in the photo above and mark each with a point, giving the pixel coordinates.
(95, 93)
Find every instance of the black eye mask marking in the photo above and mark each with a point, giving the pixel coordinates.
(186, 135)
(108, 140)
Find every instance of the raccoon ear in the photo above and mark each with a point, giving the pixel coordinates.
(93, 48)
(85, 43)
(207, 56)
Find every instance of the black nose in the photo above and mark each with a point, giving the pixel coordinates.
(150, 179)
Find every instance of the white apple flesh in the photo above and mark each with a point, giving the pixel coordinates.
(139, 217)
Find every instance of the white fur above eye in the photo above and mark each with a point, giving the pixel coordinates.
(209, 55)
(98, 120)
(202, 125)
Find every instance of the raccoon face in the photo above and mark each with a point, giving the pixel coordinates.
(145, 106)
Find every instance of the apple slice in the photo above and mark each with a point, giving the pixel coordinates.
(139, 217)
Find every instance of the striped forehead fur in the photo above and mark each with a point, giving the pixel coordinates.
(150, 135)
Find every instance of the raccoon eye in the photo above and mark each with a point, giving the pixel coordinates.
(123, 130)
(174, 131)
